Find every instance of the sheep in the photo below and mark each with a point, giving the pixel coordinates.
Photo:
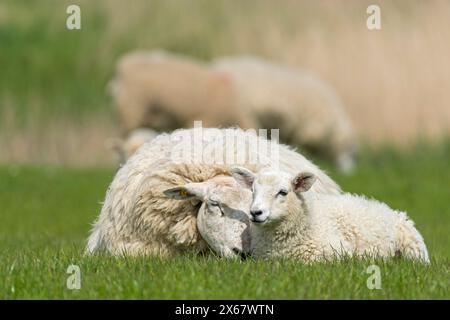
(306, 109)
(288, 222)
(137, 217)
(165, 91)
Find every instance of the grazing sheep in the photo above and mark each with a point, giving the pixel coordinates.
(137, 217)
(165, 91)
(308, 111)
(287, 222)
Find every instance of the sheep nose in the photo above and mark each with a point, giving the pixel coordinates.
(256, 213)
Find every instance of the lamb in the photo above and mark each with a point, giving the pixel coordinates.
(164, 91)
(307, 110)
(137, 217)
(288, 222)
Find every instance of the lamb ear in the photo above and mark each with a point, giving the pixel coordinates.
(242, 175)
(187, 192)
(303, 181)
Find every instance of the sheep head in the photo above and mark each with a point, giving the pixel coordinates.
(223, 217)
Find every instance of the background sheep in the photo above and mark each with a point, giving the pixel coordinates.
(164, 92)
(137, 217)
(288, 222)
(308, 111)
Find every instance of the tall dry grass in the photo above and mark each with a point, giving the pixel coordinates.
(395, 82)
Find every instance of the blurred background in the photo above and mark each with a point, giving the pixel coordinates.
(54, 105)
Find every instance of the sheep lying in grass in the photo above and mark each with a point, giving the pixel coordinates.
(137, 217)
(308, 111)
(165, 91)
(287, 222)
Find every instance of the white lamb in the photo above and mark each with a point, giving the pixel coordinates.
(137, 217)
(288, 222)
(308, 112)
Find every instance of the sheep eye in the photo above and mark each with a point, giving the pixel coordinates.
(214, 203)
(282, 193)
(217, 205)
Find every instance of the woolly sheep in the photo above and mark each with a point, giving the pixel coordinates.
(165, 91)
(287, 222)
(308, 111)
(138, 218)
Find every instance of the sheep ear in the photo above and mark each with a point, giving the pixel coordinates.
(188, 191)
(303, 181)
(242, 175)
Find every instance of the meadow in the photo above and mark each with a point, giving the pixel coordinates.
(55, 116)
(47, 212)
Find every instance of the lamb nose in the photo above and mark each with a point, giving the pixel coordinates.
(256, 213)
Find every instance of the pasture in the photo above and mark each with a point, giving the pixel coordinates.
(47, 211)
(55, 116)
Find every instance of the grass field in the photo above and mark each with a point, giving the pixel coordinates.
(55, 115)
(46, 212)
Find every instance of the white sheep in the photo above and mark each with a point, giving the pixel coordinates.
(165, 91)
(286, 221)
(137, 217)
(308, 112)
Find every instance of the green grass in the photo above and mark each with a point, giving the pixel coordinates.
(46, 214)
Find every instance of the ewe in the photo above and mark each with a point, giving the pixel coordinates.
(308, 111)
(151, 224)
(137, 217)
(288, 222)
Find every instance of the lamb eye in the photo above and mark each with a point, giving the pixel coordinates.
(282, 193)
